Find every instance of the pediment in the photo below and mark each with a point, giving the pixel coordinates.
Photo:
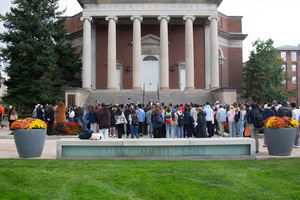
(150, 39)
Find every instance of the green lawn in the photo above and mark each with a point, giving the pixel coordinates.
(134, 179)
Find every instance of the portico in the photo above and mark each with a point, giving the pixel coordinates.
(164, 20)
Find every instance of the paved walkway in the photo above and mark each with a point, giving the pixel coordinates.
(8, 148)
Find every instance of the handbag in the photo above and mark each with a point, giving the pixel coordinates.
(247, 132)
(169, 121)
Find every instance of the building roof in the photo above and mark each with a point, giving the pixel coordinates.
(289, 48)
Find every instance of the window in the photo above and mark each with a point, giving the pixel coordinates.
(284, 81)
(294, 79)
(294, 67)
(283, 68)
(283, 56)
(294, 56)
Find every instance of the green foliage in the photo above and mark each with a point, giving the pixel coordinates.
(42, 64)
(263, 74)
(139, 179)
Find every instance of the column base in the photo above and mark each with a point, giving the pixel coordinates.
(164, 89)
(112, 89)
(189, 89)
(137, 89)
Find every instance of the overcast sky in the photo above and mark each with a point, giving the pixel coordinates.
(262, 19)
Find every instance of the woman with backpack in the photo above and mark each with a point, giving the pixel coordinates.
(104, 122)
(134, 124)
(120, 120)
(179, 116)
(157, 122)
(169, 118)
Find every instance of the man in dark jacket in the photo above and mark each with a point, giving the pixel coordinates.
(285, 110)
(268, 112)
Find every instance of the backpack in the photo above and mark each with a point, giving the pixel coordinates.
(135, 120)
(258, 120)
(237, 117)
(180, 120)
(86, 134)
(168, 117)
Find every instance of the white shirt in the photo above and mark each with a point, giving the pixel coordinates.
(296, 114)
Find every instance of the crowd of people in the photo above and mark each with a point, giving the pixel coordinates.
(159, 120)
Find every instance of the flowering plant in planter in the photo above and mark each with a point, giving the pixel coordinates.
(277, 122)
(226, 127)
(69, 128)
(28, 123)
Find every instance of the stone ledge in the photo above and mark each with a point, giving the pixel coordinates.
(157, 149)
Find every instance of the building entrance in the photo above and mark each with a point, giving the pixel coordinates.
(150, 67)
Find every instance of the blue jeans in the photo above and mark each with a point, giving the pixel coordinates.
(134, 131)
(232, 129)
(180, 131)
(84, 124)
(151, 129)
(170, 127)
(241, 128)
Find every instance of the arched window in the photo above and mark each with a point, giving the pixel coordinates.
(150, 58)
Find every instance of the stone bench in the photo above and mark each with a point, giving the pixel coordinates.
(157, 149)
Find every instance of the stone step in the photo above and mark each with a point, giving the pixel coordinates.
(175, 97)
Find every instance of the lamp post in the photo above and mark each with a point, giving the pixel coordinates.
(221, 63)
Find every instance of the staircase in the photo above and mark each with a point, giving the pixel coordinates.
(175, 97)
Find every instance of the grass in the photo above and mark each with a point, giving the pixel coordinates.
(135, 179)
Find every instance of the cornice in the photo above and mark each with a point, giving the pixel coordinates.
(232, 36)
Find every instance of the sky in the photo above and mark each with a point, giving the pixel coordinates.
(262, 19)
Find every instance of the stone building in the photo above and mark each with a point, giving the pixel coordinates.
(181, 46)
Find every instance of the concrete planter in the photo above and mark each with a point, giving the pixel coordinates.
(30, 143)
(280, 140)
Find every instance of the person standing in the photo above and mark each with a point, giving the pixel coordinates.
(221, 118)
(141, 113)
(84, 119)
(40, 113)
(14, 115)
(104, 122)
(127, 113)
(9, 113)
(296, 116)
(169, 118)
(232, 124)
(201, 124)
(285, 110)
(149, 122)
(93, 119)
(134, 124)
(241, 126)
(194, 116)
(266, 113)
(253, 130)
(49, 116)
(179, 116)
(209, 118)
(157, 122)
(60, 117)
(120, 120)
(112, 121)
(187, 122)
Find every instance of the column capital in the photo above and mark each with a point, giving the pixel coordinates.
(84, 18)
(186, 17)
(210, 18)
(161, 17)
(139, 17)
(115, 18)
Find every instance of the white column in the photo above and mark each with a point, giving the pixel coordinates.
(93, 58)
(86, 54)
(214, 68)
(164, 53)
(207, 55)
(189, 53)
(111, 54)
(137, 54)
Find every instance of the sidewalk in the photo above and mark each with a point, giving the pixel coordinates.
(8, 147)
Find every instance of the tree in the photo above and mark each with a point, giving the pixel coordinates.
(42, 64)
(263, 74)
